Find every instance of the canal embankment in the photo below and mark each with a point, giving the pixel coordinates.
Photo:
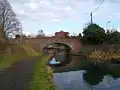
(91, 55)
(12, 54)
(101, 52)
(42, 78)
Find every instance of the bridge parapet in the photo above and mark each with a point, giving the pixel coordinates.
(39, 43)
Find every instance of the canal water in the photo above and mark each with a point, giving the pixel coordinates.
(74, 80)
(99, 77)
(79, 73)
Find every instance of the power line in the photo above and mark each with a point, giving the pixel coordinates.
(96, 9)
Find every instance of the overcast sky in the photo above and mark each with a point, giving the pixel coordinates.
(68, 15)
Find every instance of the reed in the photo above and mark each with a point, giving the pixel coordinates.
(102, 55)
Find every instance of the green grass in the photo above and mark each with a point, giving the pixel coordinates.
(42, 77)
(7, 61)
(20, 52)
(30, 51)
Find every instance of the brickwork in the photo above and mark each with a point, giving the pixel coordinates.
(40, 43)
(61, 34)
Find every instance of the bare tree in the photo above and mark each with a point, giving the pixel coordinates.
(8, 20)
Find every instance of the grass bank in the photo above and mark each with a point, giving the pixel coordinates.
(30, 51)
(14, 53)
(7, 60)
(42, 76)
(102, 52)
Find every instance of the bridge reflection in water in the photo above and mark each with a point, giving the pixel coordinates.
(59, 52)
(84, 74)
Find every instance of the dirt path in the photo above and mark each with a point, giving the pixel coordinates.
(17, 77)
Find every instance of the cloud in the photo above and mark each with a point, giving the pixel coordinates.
(48, 10)
(59, 10)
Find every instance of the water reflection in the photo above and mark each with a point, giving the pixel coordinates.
(59, 59)
(96, 74)
(103, 76)
(93, 76)
(99, 77)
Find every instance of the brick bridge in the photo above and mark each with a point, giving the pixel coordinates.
(41, 42)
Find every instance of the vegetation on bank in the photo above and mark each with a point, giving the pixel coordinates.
(9, 53)
(42, 76)
(30, 51)
(94, 34)
(13, 54)
(98, 42)
(7, 60)
(101, 55)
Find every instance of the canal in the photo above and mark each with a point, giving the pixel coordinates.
(81, 74)
(77, 72)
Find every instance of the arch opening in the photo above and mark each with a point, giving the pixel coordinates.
(59, 52)
(58, 46)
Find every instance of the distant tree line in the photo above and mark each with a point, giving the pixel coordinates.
(94, 34)
(39, 33)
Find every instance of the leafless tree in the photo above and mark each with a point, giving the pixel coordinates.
(8, 20)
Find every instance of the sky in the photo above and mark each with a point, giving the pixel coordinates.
(67, 15)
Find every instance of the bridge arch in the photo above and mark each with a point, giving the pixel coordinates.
(68, 48)
(39, 43)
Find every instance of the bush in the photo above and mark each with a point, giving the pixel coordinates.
(94, 34)
(113, 37)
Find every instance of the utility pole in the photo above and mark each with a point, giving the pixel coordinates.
(91, 17)
(96, 9)
(107, 24)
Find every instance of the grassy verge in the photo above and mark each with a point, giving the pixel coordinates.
(42, 77)
(101, 55)
(7, 61)
(14, 54)
(30, 51)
